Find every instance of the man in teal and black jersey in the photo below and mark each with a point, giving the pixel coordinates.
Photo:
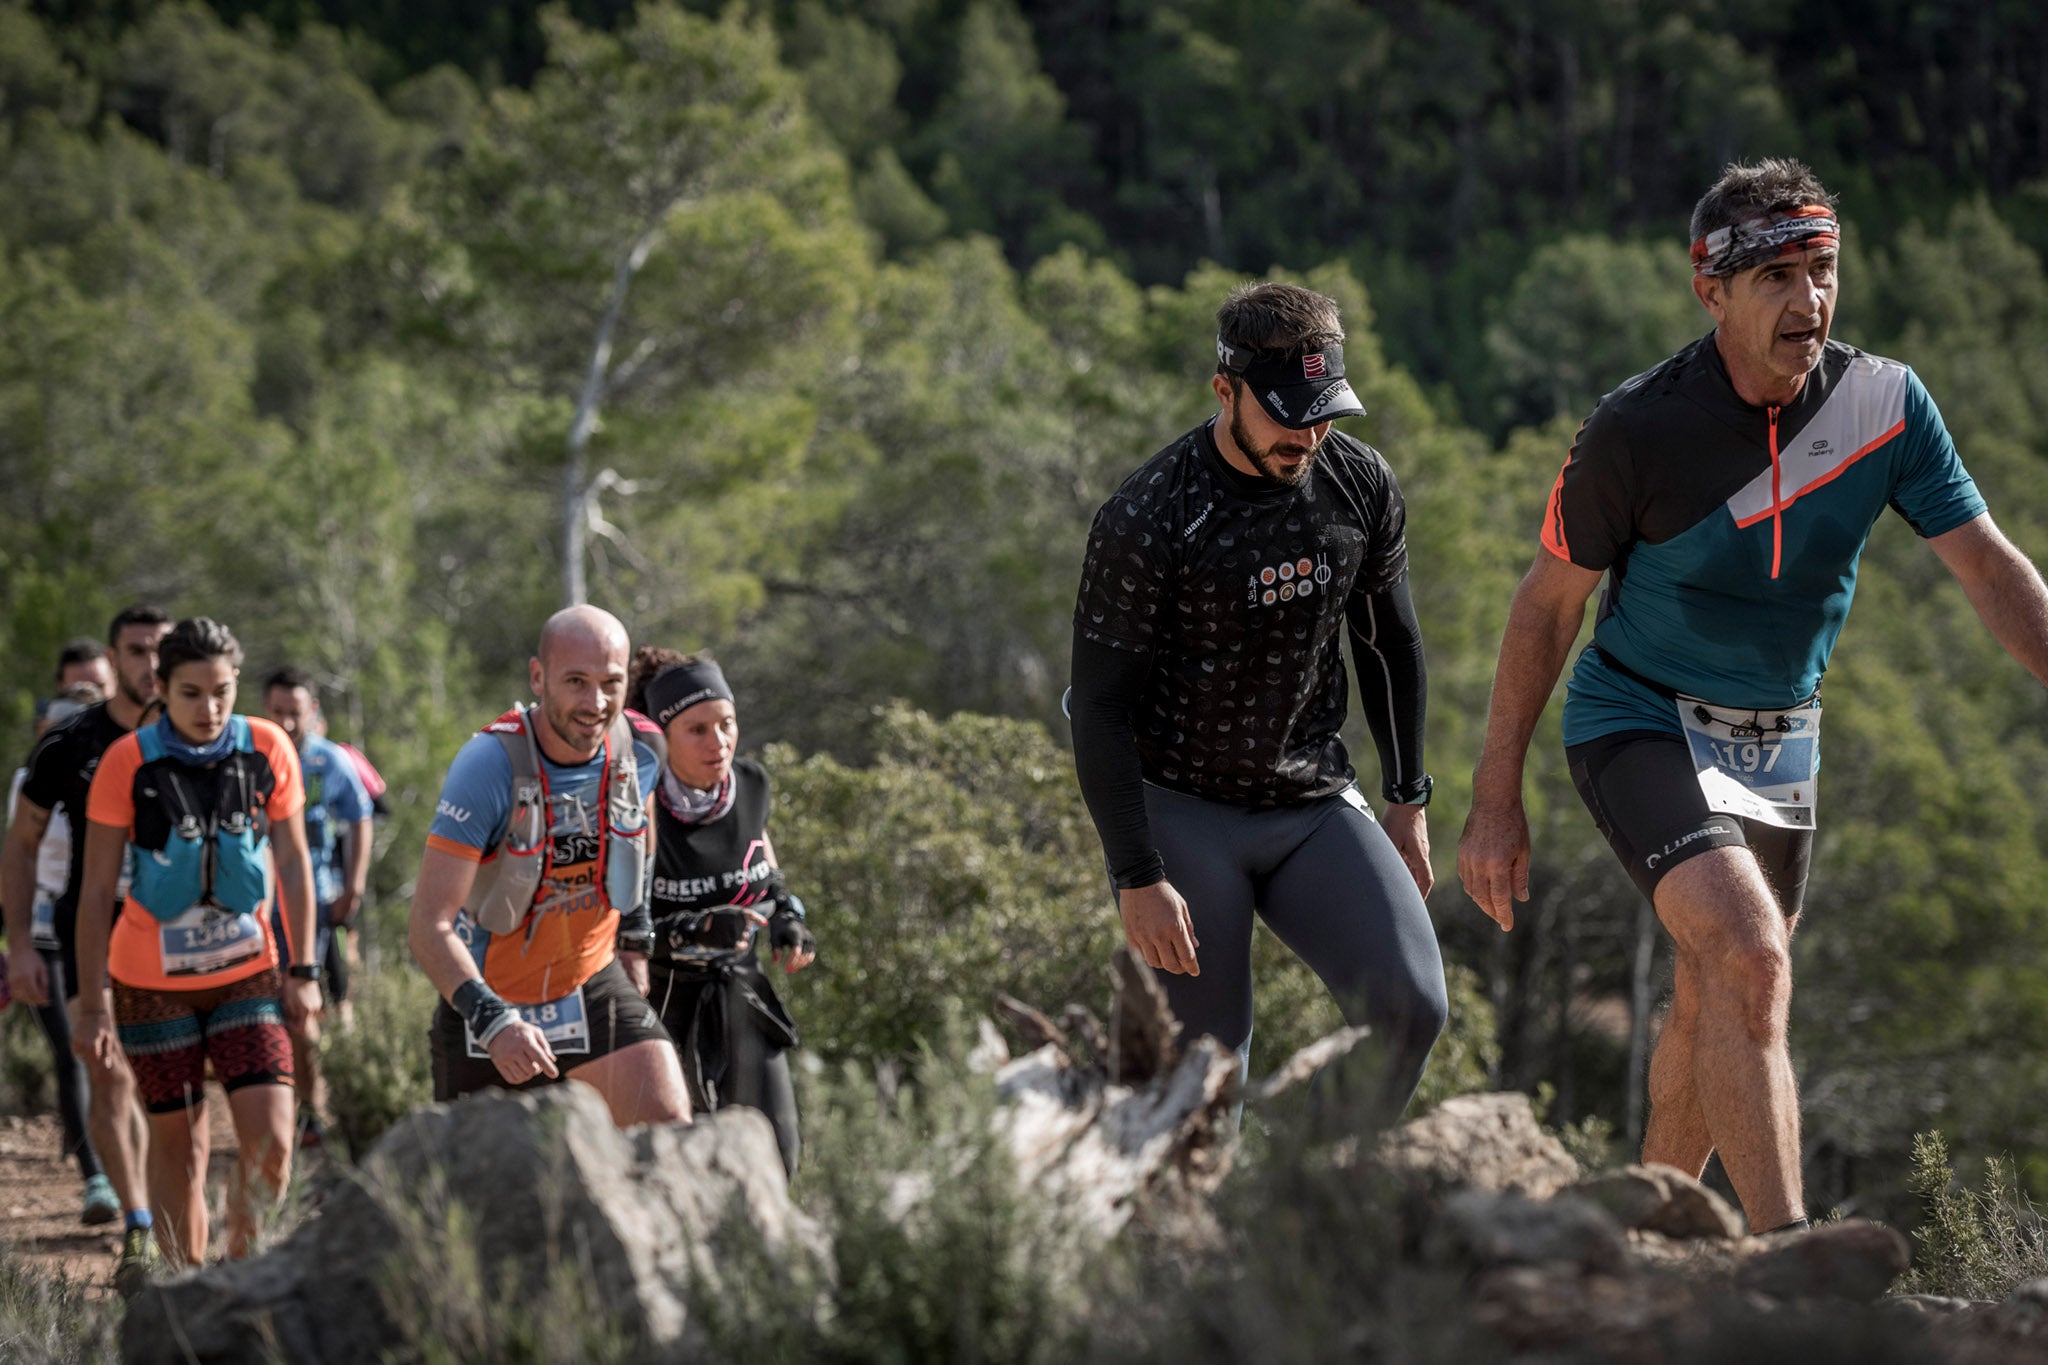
(1727, 494)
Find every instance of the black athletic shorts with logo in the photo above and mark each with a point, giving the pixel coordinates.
(1645, 797)
(619, 1017)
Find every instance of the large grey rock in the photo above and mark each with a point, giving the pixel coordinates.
(543, 1183)
(1489, 1142)
(1853, 1259)
(1661, 1199)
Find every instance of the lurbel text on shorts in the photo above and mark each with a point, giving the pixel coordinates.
(1677, 844)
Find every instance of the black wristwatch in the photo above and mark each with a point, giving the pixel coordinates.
(642, 944)
(303, 971)
(1414, 793)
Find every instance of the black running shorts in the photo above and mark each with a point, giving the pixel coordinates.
(619, 1016)
(1645, 796)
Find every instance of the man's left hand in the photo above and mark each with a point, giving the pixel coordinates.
(344, 908)
(636, 970)
(1408, 827)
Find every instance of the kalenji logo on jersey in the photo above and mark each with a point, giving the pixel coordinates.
(1312, 365)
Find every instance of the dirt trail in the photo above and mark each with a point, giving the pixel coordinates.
(40, 1194)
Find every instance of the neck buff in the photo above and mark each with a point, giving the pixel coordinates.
(679, 687)
(177, 747)
(694, 807)
(1735, 248)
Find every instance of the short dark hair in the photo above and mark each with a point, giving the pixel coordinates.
(195, 640)
(82, 650)
(1281, 318)
(649, 660)
(141, 614)
(290, 676)
(1749, 189)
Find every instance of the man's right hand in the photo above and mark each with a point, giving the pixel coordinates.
(521, 1052)
(27, 978)
(1157, 924)
(1493, 857)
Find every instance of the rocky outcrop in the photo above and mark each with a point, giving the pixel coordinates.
(1485, 1142)
(1662, 1200)
(542, 1178)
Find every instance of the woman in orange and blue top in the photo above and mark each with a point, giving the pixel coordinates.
(206, 808)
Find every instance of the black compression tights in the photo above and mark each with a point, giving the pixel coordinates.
(1327, 880)
(71, 1086)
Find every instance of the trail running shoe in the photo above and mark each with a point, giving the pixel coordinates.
(139, 1260)
(102, 1205)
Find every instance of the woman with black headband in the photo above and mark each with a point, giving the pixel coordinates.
(716, 886)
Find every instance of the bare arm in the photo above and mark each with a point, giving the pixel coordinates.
(105, 846)
(519, 1050)
(1493, 853)
(444, 884)
(357, 879)
(26, 975)
(295, 889)
(2003, 585)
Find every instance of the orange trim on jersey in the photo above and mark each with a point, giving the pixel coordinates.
(455, 848)
(1553, 518)
(1779, 507)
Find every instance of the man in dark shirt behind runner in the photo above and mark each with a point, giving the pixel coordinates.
(1727, 495)
(60, 773)
(1209, 690)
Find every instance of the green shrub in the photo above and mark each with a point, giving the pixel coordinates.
(50, 1319)
(1974, 1244)
(959, 864)
(938, 1256)
(379, 1070)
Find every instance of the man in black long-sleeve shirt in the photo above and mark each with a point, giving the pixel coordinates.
(1209, 689)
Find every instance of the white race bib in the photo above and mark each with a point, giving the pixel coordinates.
(563, 1022)
(1760, 765)
(207, 939)
(43, 922)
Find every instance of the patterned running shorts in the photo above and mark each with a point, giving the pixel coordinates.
(169, 1036)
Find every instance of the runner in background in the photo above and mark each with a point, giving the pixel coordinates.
(53, 871)
(717, 884)
(338, 840)
(60, 774)
(345, 953)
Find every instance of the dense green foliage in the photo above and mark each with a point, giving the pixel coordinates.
(295, 317)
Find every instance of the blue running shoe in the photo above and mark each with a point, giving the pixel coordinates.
(102, 1205)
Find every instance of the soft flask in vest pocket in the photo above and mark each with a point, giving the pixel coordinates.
(170, 880)
(241, 868)
(627, 834)
(514, 875)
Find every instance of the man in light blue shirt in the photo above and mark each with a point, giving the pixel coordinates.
(337, 827)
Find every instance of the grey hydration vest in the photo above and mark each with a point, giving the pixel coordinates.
(509, 886)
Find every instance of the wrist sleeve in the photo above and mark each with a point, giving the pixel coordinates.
(1393, 682)
(1107, 684)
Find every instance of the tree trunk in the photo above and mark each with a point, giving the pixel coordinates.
(576, 491)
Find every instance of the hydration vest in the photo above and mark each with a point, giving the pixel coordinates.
(218, 849)
(509, 885)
